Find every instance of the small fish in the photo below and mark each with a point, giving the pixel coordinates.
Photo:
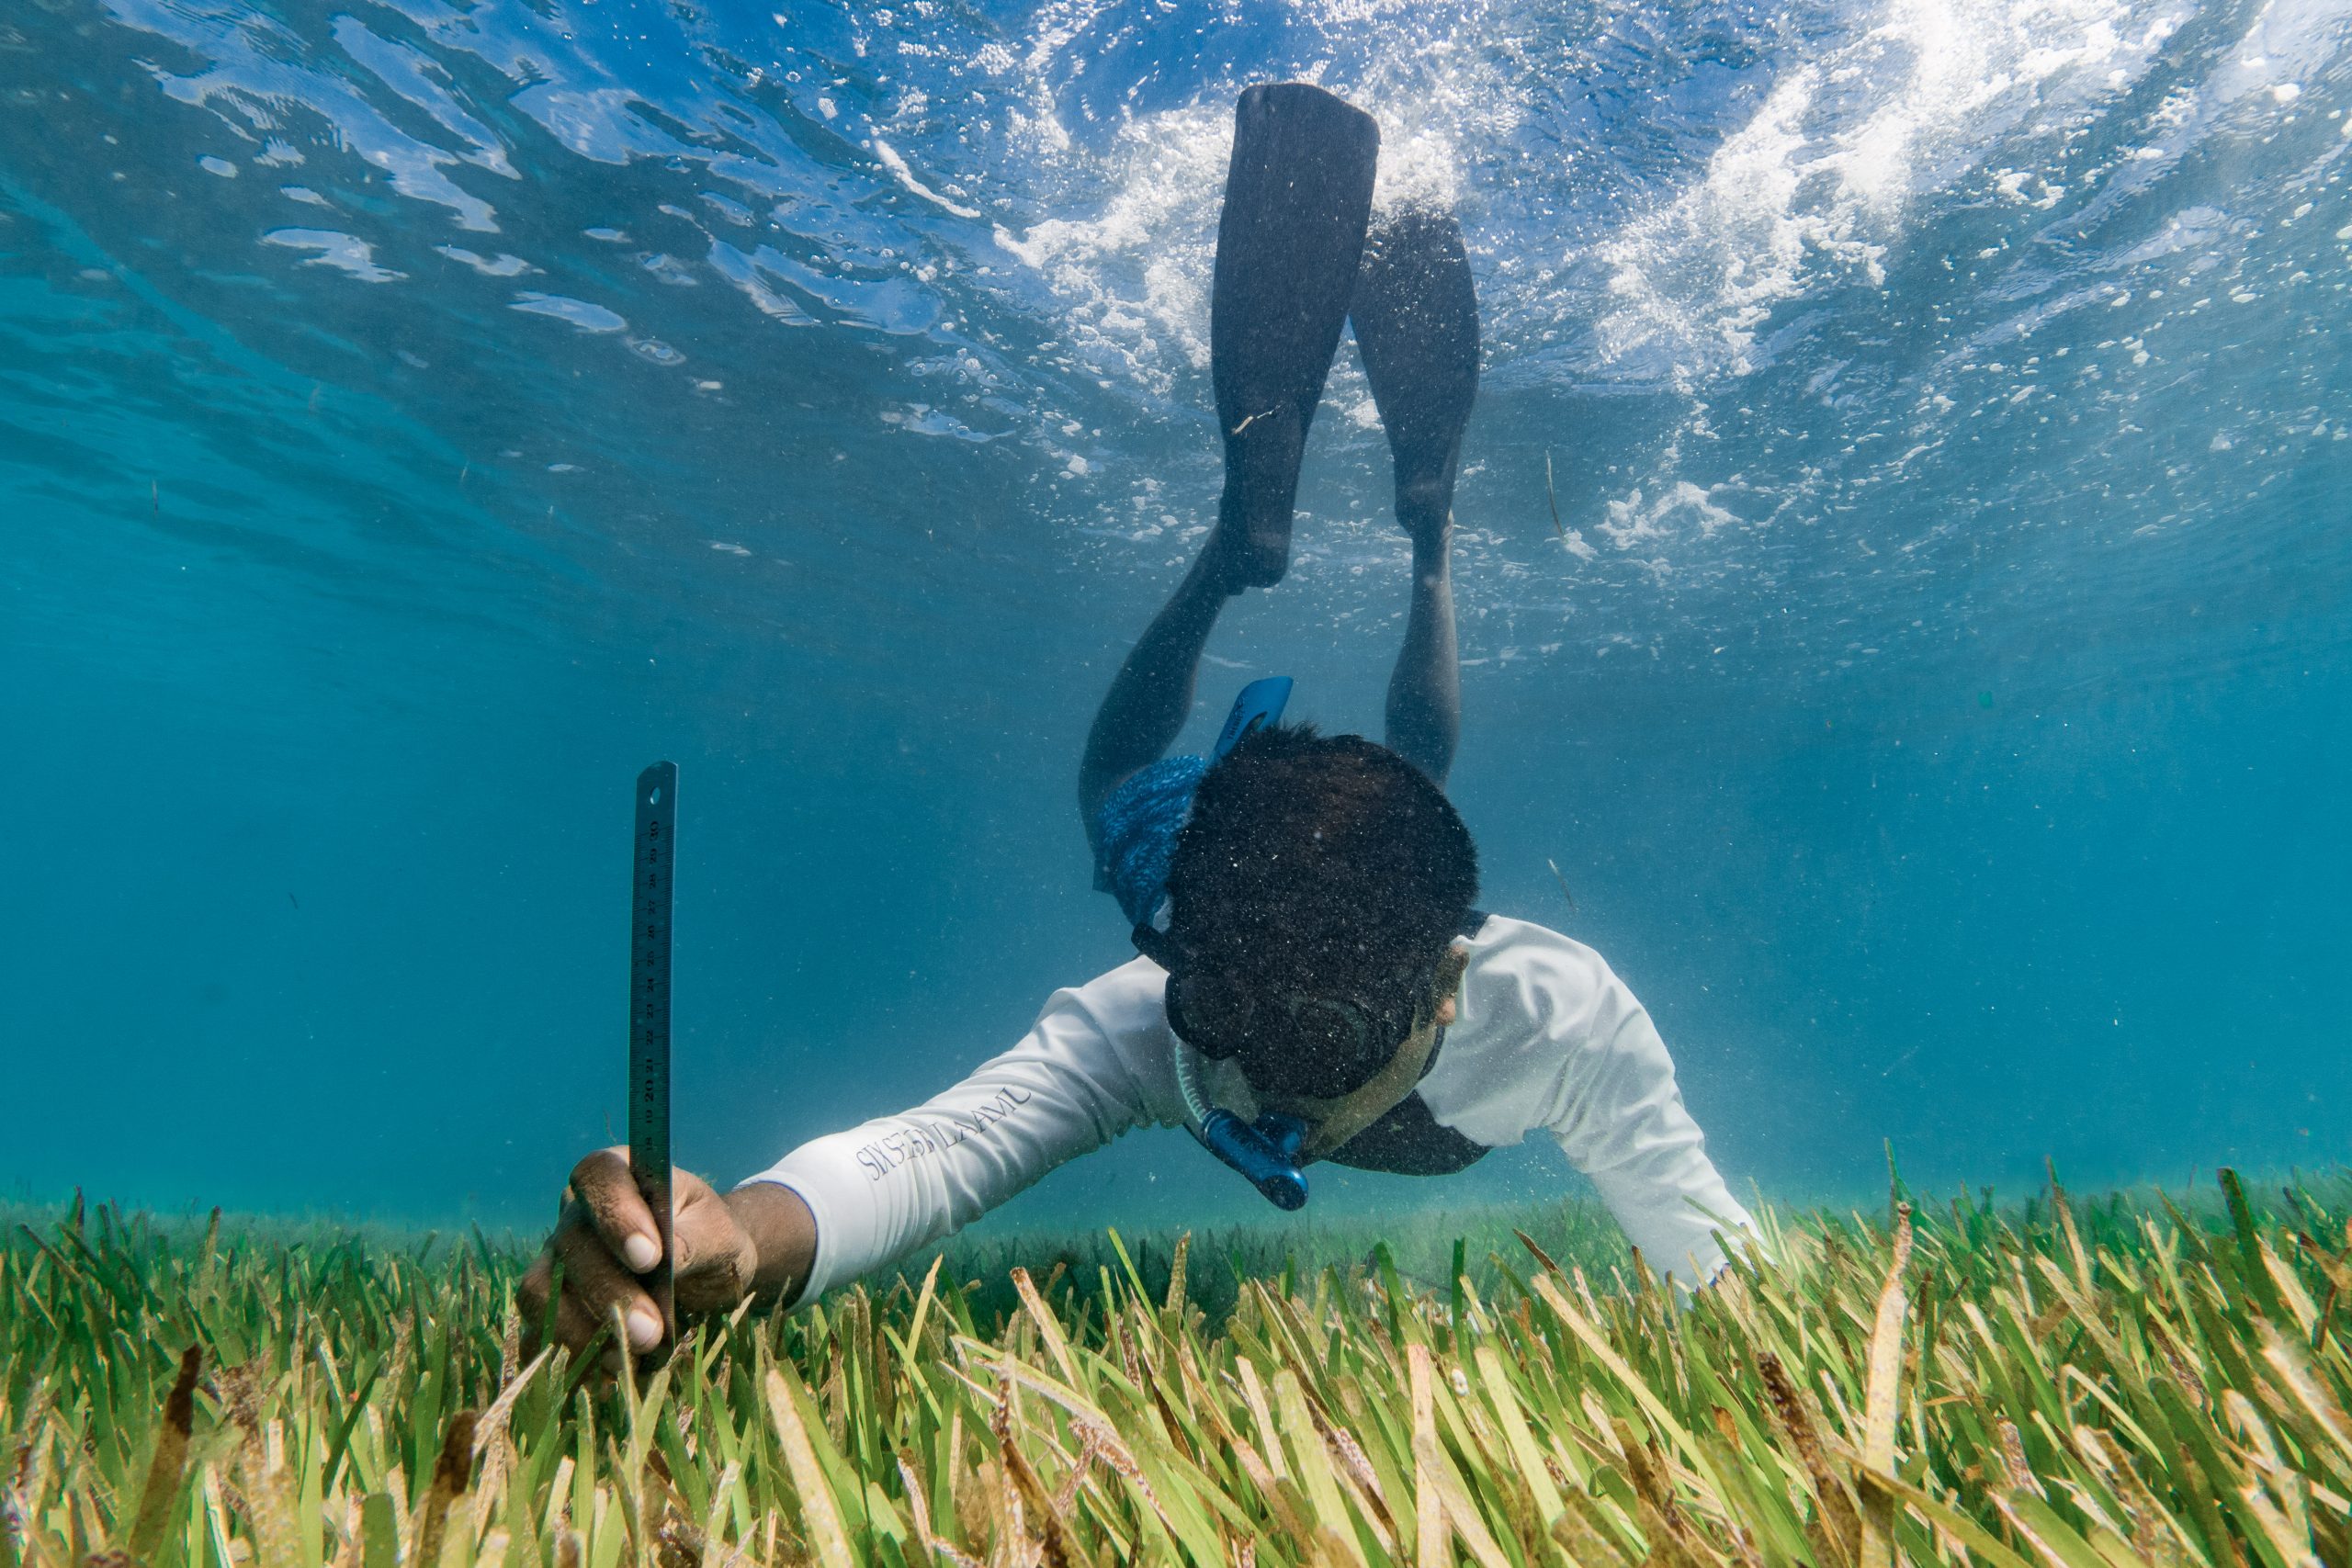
(1552, 496)
(1564, 883)
(291, 899)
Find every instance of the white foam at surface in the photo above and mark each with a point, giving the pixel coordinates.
(345, 253)
(740, 270)
(1714, 225)
(1739, 227)
(1134, 277)
(598, 123)
(906, 176)
(500, 266)
(249, 85)
(1635, 520)
(921, 419)
(408, 74)
(588, 318)
(729, 209)
(1815, 186)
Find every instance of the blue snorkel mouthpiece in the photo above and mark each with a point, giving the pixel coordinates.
(1267, 1154)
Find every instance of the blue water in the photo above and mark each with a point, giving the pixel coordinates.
(414, 418)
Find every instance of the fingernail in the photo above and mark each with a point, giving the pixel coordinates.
(641, 1251)
(644, 1328)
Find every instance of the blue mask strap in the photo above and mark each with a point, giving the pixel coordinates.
(1259, 703)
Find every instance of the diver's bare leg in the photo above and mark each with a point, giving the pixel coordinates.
(1152, 695)
(1424, 717)
(1416, 318)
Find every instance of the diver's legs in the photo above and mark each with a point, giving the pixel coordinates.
(1415, 320)
(1152, 695)
(1290, 242)
(1425, 690)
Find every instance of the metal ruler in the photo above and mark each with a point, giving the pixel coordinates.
(651, 870)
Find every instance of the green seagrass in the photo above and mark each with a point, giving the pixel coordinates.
(2071, 1383)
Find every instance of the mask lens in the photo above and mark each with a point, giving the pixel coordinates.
(1289, 1042)
(1322, 1046)
(1332, 1030)
(1213, 1019)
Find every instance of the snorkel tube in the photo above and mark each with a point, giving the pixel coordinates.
(1266, 1153)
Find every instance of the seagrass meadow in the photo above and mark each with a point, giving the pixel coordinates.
(2074, 1384)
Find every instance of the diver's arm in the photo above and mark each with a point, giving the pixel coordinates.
(1152, 695)
(1424, 718)
(878, 1191)
(1618, 1115)
(783, 1236)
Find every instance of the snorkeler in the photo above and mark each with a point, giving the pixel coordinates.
(1313, 982)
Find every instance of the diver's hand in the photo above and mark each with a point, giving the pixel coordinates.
(605, 1239)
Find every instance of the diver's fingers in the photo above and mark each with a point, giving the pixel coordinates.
(570, 1322)
(573, 1327)
(531, 1293)
(595, 1280)
(714, 1256)
(717, 1288)
(607, 1190)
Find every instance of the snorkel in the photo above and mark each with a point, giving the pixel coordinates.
(1267, 1151)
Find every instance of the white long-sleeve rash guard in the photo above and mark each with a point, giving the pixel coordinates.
(1547, 1037)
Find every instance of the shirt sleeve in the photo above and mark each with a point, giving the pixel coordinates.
(880, 1190)
(1618, 1115)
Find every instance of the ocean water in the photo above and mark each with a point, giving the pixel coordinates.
(415, 417)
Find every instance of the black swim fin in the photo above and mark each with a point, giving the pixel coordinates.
(1416, 318)
(1289, 245)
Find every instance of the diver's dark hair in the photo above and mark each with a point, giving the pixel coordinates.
(1318, 861)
